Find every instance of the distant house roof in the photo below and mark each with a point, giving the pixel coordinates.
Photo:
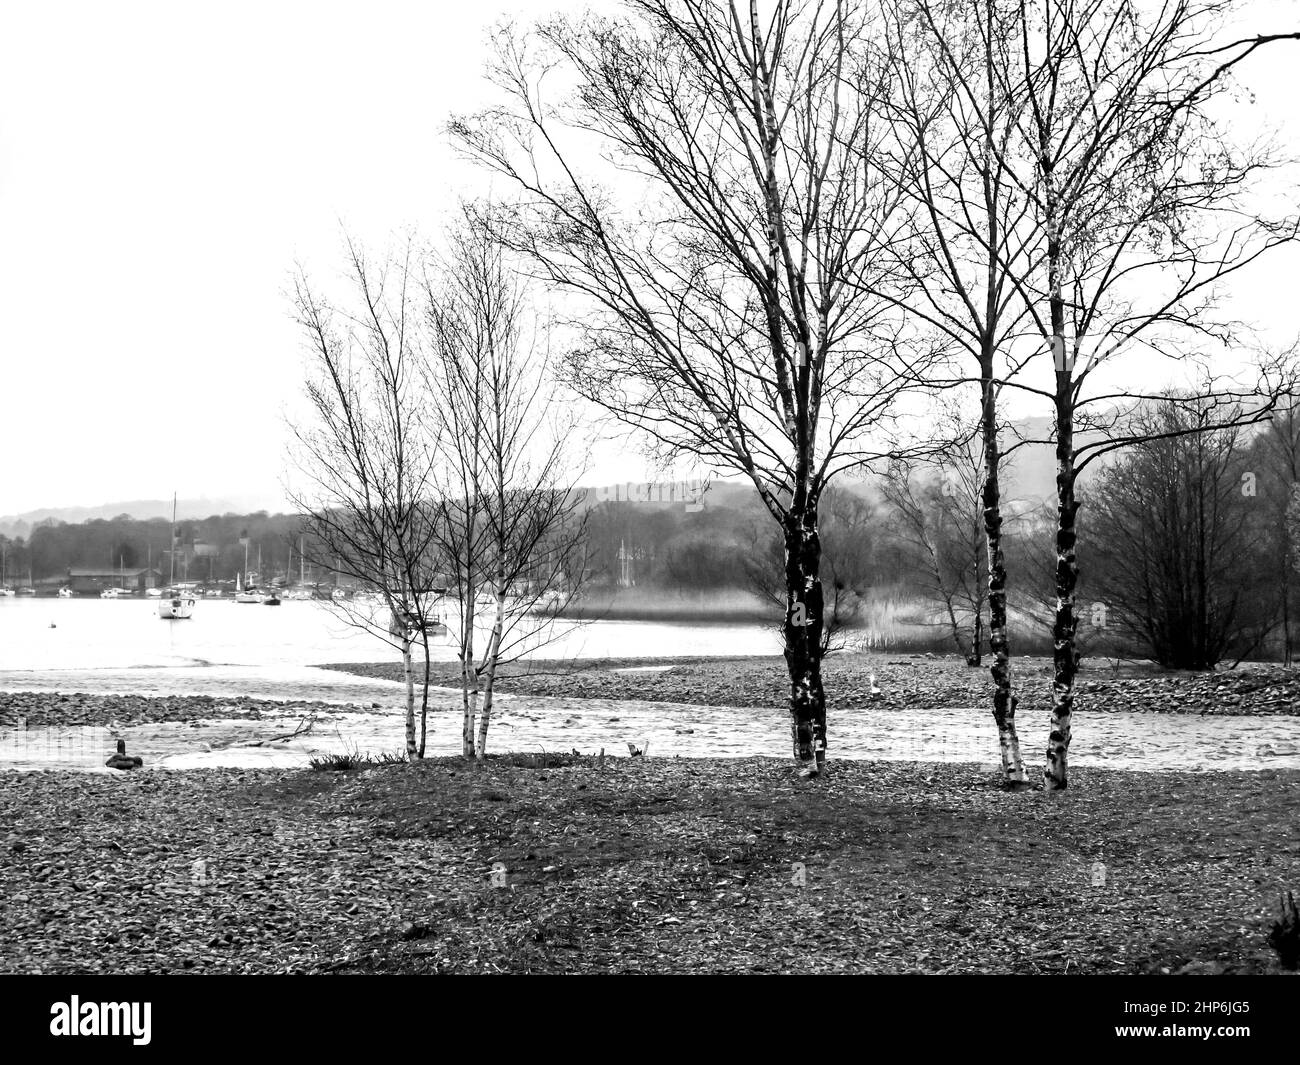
(75, 572)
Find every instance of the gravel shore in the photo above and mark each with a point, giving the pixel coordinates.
(642, 865)
(915, 681)
(72, 709)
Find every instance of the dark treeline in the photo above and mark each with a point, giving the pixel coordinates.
(1192, 539)
(207, 549)
(726, 546)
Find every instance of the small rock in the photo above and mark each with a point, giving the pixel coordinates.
(1201, 968)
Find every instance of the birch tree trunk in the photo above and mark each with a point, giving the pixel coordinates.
(1064, 660)
(468, 676)
(424, 697)
(469, 697)
(494, 651)
(1064, 655)
(1004, 701)
(804, 624)
(954, 629)
(408, 673)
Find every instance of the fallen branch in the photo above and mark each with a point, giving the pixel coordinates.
(304, 727)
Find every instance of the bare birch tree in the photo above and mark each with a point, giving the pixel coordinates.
(954, 115)
(366, 458)
(724, 299)
(509, 526)
(1144, 204)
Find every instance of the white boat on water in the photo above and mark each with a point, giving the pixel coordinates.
(176, 604)
(249, 593)
(176, 607)
(65, 593)
(112, 593)
(7, 592)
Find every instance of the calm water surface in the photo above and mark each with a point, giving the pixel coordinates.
(44, 634)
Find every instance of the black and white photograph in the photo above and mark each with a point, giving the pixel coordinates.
(651, 487)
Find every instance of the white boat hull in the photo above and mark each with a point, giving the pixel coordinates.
(176, 608)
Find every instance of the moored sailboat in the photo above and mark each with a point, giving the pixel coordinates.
(245, 595)
(175, 605)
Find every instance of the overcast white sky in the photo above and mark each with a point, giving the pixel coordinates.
(163, 166)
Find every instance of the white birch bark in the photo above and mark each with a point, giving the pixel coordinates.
(408, 673)
(489, 682)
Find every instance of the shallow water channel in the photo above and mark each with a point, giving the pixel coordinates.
(533, 723)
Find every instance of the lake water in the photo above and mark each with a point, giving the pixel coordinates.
(45, 634)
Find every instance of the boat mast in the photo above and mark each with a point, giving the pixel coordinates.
(172, 578)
